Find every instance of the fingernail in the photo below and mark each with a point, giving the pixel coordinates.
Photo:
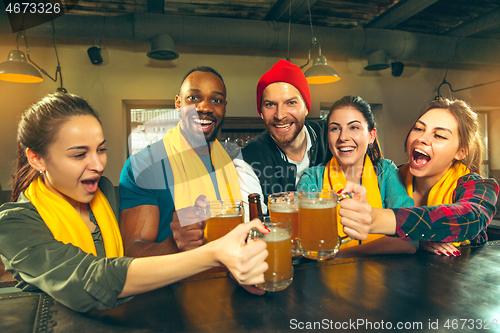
(439, 252)
(340, 191)
(457, 253)
(448, 253)
(267, 229)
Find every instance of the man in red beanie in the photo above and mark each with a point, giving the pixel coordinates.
(276, 158)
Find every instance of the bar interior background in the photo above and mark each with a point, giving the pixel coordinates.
(242, 40)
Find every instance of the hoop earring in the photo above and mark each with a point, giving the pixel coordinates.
(370, 146)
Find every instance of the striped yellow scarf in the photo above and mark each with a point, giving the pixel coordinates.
(68, 227)
(442, 192)
(191, 178)
(334, 179)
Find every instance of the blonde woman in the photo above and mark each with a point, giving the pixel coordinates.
(443, 175)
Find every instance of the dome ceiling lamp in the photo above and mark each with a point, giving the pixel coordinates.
(377, 61)
(320, 72)
(163, 48)
(17, 69)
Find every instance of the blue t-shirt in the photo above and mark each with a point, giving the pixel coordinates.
(145, 180)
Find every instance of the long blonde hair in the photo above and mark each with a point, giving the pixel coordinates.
(468, 130)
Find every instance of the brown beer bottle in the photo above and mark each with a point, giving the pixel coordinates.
(254, 206)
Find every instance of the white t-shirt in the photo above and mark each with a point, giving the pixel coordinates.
(304, 164)
(249, 182)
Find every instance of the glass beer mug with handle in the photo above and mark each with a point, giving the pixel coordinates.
(318, 236)
(285, 204)
(222, 217)
(279, 275)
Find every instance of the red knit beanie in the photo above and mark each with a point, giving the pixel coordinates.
(285, 71)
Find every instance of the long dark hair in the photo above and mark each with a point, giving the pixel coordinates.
(468, 130)
(37, 129)
(374, 152)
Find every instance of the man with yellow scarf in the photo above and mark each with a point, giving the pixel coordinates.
(59, 233)
(169, 181)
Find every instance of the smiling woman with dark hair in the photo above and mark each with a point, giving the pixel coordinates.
(443, 176)
(60, 233)
(357, 157)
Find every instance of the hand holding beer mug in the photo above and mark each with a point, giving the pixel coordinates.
(222, 217)
(279, 275)
(318, 236)
(285, 204)
(357, 219)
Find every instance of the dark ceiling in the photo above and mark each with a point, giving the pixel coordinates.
(458, 18)
(429, 31)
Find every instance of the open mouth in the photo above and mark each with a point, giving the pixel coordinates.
(203, 124)
(420, 158)
(283, 127)
(90, 185)
(346, 149)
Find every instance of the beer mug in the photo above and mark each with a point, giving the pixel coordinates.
(279, 275)
(222, 217)
(318, 236)
(285, 204)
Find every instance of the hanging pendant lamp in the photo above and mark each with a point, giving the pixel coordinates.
(17, 69)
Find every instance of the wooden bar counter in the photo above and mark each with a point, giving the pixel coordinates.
(410, 293)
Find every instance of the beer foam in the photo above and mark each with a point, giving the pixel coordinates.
(228, 215)
(316, 204)
(277, 236)
(283, 208)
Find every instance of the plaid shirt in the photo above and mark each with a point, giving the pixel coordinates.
(467, 218)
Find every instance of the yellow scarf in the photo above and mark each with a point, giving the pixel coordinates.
(191, 178)
(442, 192)
(334, 179)
(68, 227)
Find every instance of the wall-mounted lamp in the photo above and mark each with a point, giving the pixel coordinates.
(17, 69)
(456, 90)
(163, 48)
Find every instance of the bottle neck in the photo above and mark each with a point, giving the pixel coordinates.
(255, 207)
